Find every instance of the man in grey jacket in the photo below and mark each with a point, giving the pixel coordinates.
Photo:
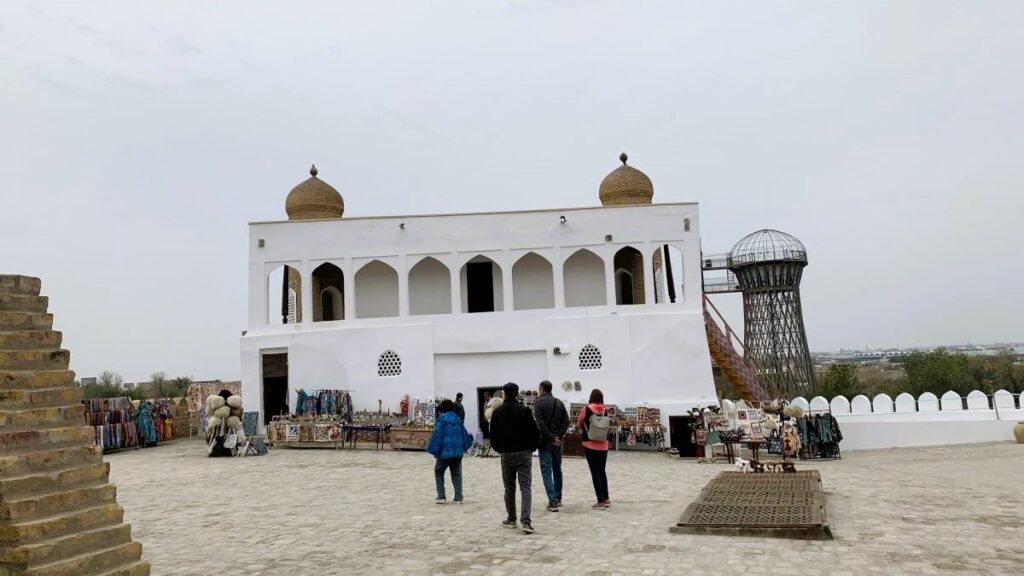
(552, 423)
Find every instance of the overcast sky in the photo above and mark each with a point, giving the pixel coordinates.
(138, 139)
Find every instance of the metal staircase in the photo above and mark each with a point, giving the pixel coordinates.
(746, 377)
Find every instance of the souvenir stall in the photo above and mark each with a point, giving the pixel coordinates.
(196, 396)
(319, 420)
(806, 435)
(640, 428)
(113, 423)
(415, 433)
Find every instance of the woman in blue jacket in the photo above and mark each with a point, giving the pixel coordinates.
(448, 444)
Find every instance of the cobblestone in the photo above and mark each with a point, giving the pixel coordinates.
(937, 510)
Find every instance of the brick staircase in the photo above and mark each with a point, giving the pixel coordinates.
(743, 373)
(58, 512)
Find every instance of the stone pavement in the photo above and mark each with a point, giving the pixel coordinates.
(307, 512)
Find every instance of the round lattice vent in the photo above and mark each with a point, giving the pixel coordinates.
(590, 358)
(389, 364)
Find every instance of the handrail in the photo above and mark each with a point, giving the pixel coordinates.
(746, 357)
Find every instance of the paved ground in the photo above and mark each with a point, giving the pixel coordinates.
(309, 512)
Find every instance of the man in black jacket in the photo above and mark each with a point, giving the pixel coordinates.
(514, 436)
(552, 423)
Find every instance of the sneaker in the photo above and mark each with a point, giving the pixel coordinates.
(527, 528)
(440, 500)
(553, 507)
(606, 504)
(598, 506)
(457, 501)
(510, 524)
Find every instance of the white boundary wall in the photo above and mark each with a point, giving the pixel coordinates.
(929, 420)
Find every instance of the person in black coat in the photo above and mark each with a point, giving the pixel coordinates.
(514, 435)
(552, 422)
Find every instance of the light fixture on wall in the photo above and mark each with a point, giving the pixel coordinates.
(402, 225)
(686, 224)
(261, 243)
(561, 219)
(607, 237)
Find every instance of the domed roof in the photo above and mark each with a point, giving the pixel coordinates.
(767, 246)
(314, 199)
(626, 185)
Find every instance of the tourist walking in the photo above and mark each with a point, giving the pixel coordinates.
(514, 436)
(491, 405)
(552, 423)
(448, 444)
(595, 425)
(459, 410)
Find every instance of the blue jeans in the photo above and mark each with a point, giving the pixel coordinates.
(455, 465)
(551, 471)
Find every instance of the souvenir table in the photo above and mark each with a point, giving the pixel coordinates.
(306, 433)
(754, 445)
(378, 433)
(410, 438)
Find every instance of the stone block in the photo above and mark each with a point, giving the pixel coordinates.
(34, 359)
(21, 379)
(42, 439)
(13, 464)
(53, 480)
(40, 398)
(31, 531)
(23, 302)
(66, 546)
(99, 562)
(16, 284)
(40, 418)
(13, 321)
(30, 340)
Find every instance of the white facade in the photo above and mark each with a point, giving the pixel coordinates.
(406, 288)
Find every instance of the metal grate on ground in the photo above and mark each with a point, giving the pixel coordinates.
(786, 505)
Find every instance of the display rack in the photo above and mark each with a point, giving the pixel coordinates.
(113, 423)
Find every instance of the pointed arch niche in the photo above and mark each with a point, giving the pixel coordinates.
(583, 277)
(667, 267)
(328, 293)
(482, 287)
(430, 288)
(629, 276)
(376, 291)
(533, 283)
(284, 290)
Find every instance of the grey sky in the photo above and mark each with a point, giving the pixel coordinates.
(139, 138)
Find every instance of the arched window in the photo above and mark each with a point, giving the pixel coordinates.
(481, 282)
(630, 261)
(331, 304)
(430, 288)
(389, 364)
(623, 287)
(329, 290)
(533, 285)
(590, 358)
(376, 291)
(284, 305)
(584, 279)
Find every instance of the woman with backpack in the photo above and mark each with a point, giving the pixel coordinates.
(595, 425)
(449, 444)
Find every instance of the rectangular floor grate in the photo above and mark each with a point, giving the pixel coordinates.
(786, 505)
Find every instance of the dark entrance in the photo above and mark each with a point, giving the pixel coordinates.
(483, 396)
(275, 385)
(480, 287)
(682, 436)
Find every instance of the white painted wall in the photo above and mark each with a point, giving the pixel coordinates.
(584, 278)
(376, 291)
(533, 283)
(430, 288)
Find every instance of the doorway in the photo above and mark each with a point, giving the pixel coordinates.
(275, 386)
(682, 436)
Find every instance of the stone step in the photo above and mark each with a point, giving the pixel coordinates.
(17, 321)
(35, 359)
(31, 440)
(62, 548)
(54, 480)
(140, 568)
(30, 340)
(39, 529)
(15, 464)
(26, 507)
(29, 398)
(95, 562)
(17, 284)
(23, 302)
(21, 379)
(41, 418)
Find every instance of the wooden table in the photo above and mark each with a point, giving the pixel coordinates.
(352, 431)
(753, 445)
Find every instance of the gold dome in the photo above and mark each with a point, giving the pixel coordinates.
(314, 199)
(626, 185)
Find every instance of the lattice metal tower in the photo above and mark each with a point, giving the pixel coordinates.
(768, 265)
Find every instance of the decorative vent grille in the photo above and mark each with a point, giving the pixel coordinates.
(389, 364)
(590, 358)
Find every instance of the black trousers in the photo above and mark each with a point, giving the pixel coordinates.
(597, 460)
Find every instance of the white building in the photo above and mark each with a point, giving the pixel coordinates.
(432, 305)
